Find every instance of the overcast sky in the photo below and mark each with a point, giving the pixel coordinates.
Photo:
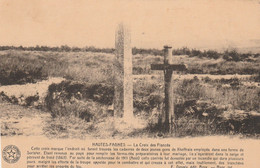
(191, 23)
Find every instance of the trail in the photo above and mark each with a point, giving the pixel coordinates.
(18, 120)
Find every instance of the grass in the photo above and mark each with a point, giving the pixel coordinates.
(39, 65)
(201, 107)
(207, 108)
(219, 106)
(18, 67)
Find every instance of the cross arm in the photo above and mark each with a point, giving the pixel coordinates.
(173, 67)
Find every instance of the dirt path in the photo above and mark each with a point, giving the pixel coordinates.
(18, 120)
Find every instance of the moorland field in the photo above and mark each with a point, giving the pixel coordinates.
(219, 94)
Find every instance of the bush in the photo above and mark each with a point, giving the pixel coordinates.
(19, 69)
(21, 75)
(189, 89)
(78, 99)
(87, 110)
(256, 77)
(148, 103)
(232, 55)
(195, 52)
(147, 95)
(212, 54)
(182, 51)
(69, 91)
(189, 126)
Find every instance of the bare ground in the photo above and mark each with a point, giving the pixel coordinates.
(18, 120)
(23, 121)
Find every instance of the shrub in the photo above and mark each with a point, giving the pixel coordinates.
(212, 54)
(87, 110)
(16, 68)
(189, 126)
(189, 89)
(232, 55)
(239, 121)
(31, 99)
(206, 79)
(182, 51)
(69, 91)
(21, 75)
(195, 52)
(148, 103)
(78, 99)
(256, 77)
(147, 95)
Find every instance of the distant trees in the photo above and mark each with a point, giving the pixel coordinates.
(147, 51)
(229, 55)
(63, 48)
(212, 54)
(232, 55)
(182, 51)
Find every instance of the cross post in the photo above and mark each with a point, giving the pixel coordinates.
(167, 118)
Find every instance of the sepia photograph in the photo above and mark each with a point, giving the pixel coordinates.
(120, 70)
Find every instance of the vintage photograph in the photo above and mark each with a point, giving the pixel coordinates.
(120, 70)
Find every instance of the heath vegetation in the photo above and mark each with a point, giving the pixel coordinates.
(82, 104)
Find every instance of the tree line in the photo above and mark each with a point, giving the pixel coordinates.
(229, 55)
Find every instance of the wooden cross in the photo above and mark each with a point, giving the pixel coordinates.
(167, 118)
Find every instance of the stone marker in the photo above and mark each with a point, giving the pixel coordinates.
(123, 80)
(167, 118)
